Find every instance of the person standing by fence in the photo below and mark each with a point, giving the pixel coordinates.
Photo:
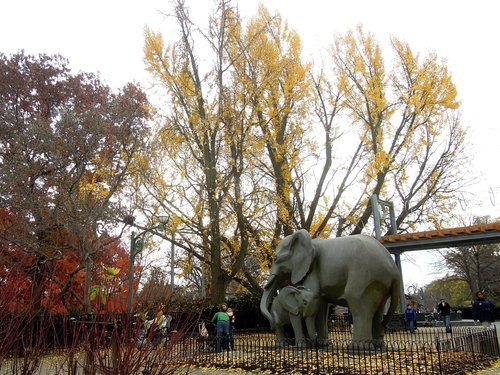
(221, 321)
(482, 310)
(158, 327)
(445, 311)
(410, 317)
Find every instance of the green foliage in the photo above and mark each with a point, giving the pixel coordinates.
(98, 291)
(244, 302)
(477, 265)
(454, 290)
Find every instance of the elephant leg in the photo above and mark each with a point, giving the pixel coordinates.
(298, 331)
(280, 334)
(321, 323)
(362, 315)
(377, 328)
(311, 328)
(377, 300)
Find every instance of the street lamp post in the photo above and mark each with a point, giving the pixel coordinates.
(136, 245)
(172, 269)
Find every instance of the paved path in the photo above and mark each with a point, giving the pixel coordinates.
(494, 370)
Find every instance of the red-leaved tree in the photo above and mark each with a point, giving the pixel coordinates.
(67, 143)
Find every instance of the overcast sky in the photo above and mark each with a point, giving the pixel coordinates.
(106, 36)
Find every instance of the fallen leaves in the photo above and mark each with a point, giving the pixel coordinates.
(308, 361)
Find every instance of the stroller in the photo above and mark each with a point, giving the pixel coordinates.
(153, 334)
(206, 336)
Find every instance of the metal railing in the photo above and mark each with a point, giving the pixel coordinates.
(425, 353)
(97, 344)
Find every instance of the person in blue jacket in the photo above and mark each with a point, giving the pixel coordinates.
(482, 310)
(410, 317)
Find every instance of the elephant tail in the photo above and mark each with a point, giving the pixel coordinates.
(394, 303)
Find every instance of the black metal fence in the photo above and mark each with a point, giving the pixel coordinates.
(429, 352)
(105, 344)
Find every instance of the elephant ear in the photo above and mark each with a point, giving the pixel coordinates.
(302, 255)
(288, 299)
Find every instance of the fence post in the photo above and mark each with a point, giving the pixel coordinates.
(496, 348)
(317, 354)
(472, 340)
(439, 355)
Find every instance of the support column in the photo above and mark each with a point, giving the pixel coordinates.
(402, 298)
(376, 203)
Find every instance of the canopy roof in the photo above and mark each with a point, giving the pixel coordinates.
(436, 239)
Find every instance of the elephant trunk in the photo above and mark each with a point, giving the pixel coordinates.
(269, 290)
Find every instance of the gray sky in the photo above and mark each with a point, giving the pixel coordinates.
(106, 36)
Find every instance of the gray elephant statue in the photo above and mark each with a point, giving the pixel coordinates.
(355, 271)
(291, 306)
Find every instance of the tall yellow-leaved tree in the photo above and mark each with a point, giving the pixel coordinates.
(407, 143)
(254, 143)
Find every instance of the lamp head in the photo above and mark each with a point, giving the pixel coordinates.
(163, 219)
(139, 244)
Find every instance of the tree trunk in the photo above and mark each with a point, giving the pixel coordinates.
(218, 290)
(88, 281)
(38, 283)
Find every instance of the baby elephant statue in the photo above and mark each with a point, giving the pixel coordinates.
(291, 306)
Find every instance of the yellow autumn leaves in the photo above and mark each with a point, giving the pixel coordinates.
(251, 141)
